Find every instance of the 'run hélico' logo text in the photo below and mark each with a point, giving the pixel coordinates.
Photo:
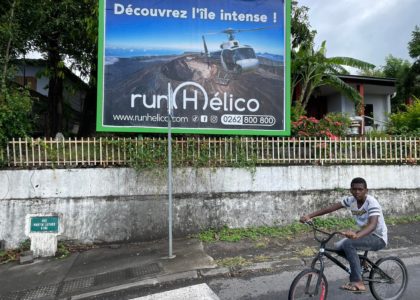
(187, 95)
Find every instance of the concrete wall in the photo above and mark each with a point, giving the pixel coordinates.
(108, 205)
(380, 108)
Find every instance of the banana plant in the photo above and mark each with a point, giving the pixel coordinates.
(312, 69)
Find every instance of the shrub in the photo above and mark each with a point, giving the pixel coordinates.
(15, 107)
(407, 122)
(333, 126)
(337, 123)
(13, 254)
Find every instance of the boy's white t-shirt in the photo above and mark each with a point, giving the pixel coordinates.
(361, 215)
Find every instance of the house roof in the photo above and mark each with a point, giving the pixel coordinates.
(32, 93)
(368, 80)
(43, 62)
(372, 85)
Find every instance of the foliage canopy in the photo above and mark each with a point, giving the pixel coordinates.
(407, 122)
(311, 68)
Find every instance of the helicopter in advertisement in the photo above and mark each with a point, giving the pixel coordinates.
(235, 58)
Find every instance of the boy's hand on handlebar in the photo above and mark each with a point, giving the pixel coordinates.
(349, 234)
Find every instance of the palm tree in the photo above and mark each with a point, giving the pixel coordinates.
(312, 69)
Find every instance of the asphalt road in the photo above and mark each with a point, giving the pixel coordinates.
(272, 286)
(276, 286)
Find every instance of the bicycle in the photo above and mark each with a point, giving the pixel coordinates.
(387, 277)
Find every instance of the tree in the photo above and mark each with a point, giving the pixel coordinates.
(59, 30)
(392, 69)
(399, 69)
(376, 72)
(312, 69)
(15, 102)
(395, 66)
(407, 74)
(14, 35)
(414, 51)
(6, 36)
(414, 44)
(407, 122)
(88, 59)
(302, 35)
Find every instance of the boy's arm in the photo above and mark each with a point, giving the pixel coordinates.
(370, 227)
(321, 212)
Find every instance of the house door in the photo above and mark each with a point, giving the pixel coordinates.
(317, 107)
(369, 114)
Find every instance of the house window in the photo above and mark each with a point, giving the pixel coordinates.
(27, 81)
(369, 114)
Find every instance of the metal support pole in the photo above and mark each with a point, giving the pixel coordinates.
(170, 113)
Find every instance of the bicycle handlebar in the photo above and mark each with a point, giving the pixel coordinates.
(330, 235)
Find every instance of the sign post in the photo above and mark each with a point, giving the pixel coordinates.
(43, 230)
(170, 204)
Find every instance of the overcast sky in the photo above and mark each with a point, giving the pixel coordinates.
(364, 29)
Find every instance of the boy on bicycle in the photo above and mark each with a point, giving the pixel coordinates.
(372, 234)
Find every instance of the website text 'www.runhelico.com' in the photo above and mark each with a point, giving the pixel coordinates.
(148, 118)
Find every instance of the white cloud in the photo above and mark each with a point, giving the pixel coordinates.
(365, 29)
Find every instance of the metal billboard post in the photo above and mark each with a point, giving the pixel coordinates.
(170, 219)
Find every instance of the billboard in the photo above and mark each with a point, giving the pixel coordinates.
(223, 65)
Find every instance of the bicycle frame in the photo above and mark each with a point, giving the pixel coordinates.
(325, 252)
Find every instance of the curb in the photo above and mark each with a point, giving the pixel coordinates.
(271, 266)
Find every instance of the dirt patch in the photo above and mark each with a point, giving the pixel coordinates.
(256, 250)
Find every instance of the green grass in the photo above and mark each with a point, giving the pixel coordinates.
(289, 231)
(402, 220)
(253, 233)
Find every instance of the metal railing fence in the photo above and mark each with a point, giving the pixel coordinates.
(209, 151)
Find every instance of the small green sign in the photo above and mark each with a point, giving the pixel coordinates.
(44, 224)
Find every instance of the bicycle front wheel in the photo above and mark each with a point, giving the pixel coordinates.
(389, 280)
(304, 286)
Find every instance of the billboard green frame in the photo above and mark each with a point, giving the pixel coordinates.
(213, 131)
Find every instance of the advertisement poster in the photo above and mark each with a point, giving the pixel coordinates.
(222, 64)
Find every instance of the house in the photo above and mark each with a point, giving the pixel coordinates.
(31, 73)
(376, 94)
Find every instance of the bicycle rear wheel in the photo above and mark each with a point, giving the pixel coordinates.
(304, 286)
(390, 280)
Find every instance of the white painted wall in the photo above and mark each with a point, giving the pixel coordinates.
(376, 95)
(94, 182)
(380, 108)
(109, 205)
(348, 106)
